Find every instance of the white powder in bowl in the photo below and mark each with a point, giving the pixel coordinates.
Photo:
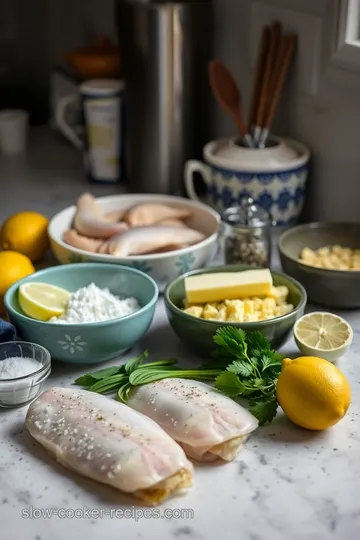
(92, 304)
(16, 366)
(15, 392)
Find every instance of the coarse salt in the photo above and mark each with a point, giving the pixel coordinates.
(12, 390)
(92, 304)
(16, 366)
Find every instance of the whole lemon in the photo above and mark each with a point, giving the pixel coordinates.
(26, 232)
(312, 392)
(13, 266)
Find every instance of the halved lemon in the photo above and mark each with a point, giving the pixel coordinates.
(323, 334)
(42, 301)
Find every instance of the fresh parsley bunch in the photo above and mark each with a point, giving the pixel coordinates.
(251, 372)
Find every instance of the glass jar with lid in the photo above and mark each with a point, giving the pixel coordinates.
(246, 231)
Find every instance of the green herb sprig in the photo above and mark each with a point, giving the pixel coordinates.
(244, 366)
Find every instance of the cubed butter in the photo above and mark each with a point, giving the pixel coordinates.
(217, 287)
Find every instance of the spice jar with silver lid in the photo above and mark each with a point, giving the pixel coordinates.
(246, 233)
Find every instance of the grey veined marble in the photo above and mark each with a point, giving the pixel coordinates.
(287, 484)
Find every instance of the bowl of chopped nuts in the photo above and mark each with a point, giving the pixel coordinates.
(274, 313)
(325, 258)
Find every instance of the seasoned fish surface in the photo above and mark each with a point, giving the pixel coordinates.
(206, 423)
(107, 441)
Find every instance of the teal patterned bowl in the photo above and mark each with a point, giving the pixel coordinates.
(198, 334)
(162, 267)
(89, 343)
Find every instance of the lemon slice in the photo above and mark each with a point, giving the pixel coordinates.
(323, 334)
(42, 301)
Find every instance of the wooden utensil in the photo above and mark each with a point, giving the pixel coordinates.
(286, 51)
(261, 60)
(266, 80)
(228, 96)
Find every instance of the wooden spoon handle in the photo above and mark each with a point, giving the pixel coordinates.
(260, 67)
(261, 110)
(287, 50)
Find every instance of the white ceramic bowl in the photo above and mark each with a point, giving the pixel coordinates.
(162, 267)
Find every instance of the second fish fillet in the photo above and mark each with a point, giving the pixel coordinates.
(207, 424)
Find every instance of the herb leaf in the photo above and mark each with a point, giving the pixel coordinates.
(257, 342)
(241, 367)
(229, 383)
(109, 384)
(231, 339)
(264, 411)
(134, 363)
(124, 391)
(106, 372)
(85, 380)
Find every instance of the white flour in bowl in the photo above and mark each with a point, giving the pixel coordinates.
(92, 304)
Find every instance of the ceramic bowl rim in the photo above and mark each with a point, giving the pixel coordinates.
(101, 257)
(223, 163)
(246, 325)
(347, 342)
(45, 368)
(315, 225)
(96, 266)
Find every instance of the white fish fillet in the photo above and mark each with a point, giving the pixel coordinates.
(206, 423)
(107, 441)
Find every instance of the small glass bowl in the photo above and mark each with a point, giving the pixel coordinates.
(21, 390)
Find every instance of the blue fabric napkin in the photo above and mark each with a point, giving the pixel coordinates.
(7, 331)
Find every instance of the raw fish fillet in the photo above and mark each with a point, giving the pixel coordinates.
(206, 423)
(90, 221)
(140, 240)
(107, 441)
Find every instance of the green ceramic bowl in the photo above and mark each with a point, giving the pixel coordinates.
(89, 343)
(331, 288)
(198, 334)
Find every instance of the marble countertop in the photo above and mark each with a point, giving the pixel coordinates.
(287, 483)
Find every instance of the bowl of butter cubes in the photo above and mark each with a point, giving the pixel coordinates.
(255, 299)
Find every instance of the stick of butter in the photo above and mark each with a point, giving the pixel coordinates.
(217, 287)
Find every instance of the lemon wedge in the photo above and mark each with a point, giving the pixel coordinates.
(323, 335)
(42, 301)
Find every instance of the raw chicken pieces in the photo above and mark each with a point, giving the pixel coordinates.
(149, 213)
(149, 239)
(146, 228)
(206, 423)
(107, 441)
(90, 221)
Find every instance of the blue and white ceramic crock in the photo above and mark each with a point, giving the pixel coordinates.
(275, 177)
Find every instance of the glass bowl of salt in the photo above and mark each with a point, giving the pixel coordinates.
(24, 367)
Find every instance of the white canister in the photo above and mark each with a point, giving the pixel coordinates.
(102, 108)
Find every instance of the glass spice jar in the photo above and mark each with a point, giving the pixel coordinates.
(246, 231)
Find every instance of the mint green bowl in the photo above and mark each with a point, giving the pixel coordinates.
(197, 334)
(89, 343)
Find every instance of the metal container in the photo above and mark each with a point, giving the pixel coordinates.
(165, 47)
(246, 234)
